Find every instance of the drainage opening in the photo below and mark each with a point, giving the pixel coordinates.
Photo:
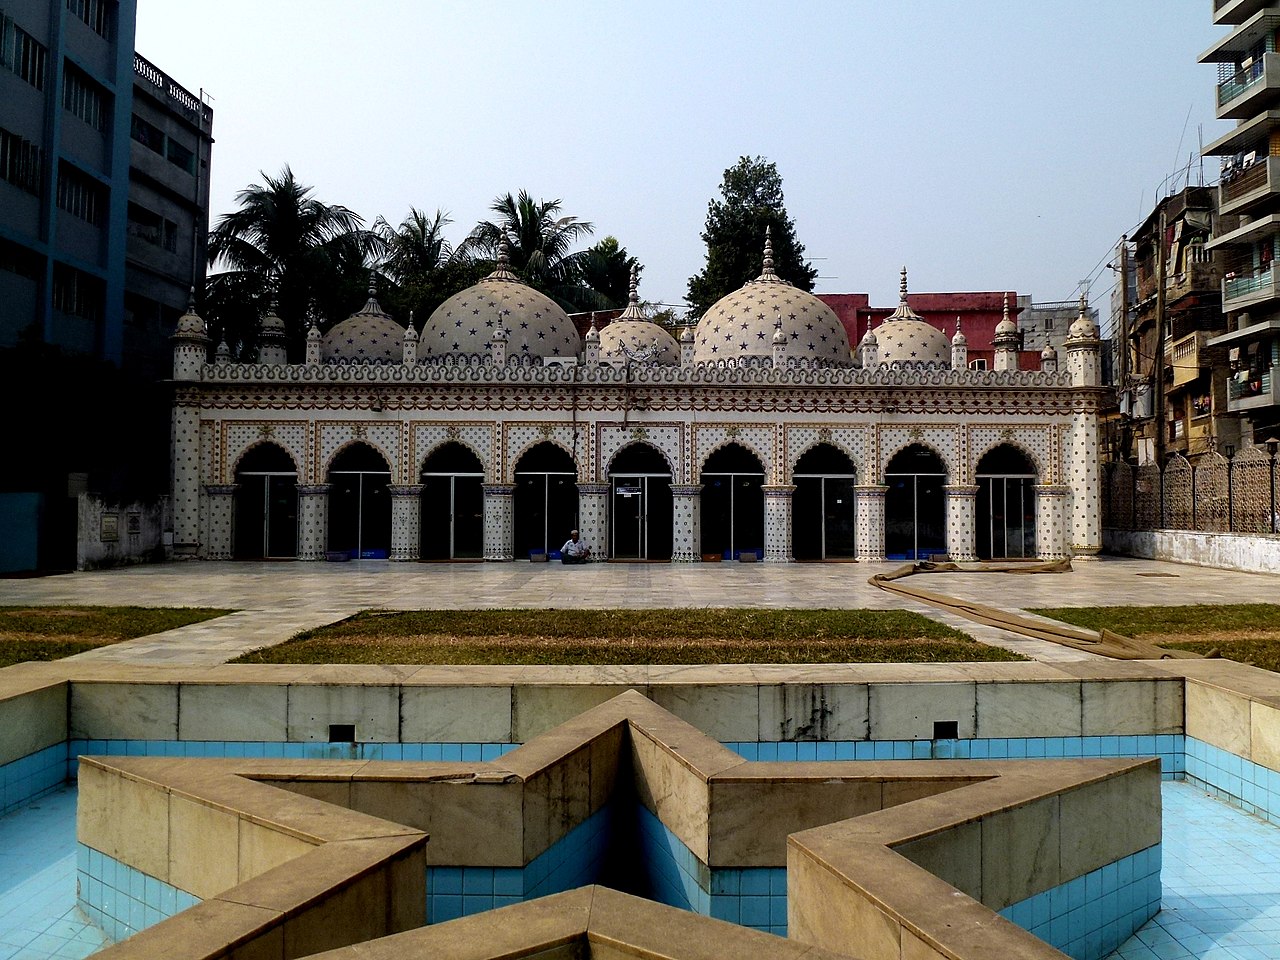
(342, 733)
(946, 729)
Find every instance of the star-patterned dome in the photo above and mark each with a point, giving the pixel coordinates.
(464, 324)
(638, 335)
(741, 324)
(369, 336)
(905, 338)
(1083, 328)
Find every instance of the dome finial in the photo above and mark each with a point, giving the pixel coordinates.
(191, 301)
(1005, 314)
(373, 285)
(633, 294)
(902, 287)
(502, 269)
(903, 311)
(767, 273)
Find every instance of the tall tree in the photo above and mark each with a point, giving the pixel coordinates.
(605, 269)
(423, 266)
(283, 244)
(751, 200)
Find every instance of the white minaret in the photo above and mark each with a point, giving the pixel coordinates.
(1006, 341)
(409, 351)
(498, 345)
(779, 344)
(591, 344)
(313, 343)
(1049, 359)
(190, 343)
(1084, 349)
(272, 340)
(869, 349)
(959, 349)
(686, 346)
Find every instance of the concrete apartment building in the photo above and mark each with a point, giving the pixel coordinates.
(1249, 93)
(104, 183)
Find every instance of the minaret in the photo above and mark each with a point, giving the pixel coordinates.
(591, 342)
(779, 344)
(1084, 349)
(498, 345)
(190, 343)
(409, 354)
(686, 346)
(272, 341)
(1006, 341)
(1049, 359)
(313, 343)
(959, 349)
(869, 348)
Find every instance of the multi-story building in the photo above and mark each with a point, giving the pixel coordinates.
(1175, 390)
(1249, 93)
(104, 180)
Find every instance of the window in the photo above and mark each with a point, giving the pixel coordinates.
(96, 14)
(81, 196)
(152, 228)
(22, 53)
(20, 260)
(84, 98)
(181, 157)
(77, 293)
(21, 162)
(1048, 324)
(979, 364)
(148, 135)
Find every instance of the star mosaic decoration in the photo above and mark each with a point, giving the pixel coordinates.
(464, 323)
(288, 846)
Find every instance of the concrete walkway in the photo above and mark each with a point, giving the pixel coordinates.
(276, 600)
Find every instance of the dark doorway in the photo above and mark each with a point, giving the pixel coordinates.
(452, 514)
(640, 508)
(265, 508)
(360, 504)
(546, 500)
(1006, 508)
(915, 510)
(733, 503)
(822, 507)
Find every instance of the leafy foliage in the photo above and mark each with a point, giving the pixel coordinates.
(751, 193)
(422, 266)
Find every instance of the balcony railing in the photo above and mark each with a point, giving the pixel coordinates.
(1259, 386)
(1240, 81)
(186, 101)
(1233, 288)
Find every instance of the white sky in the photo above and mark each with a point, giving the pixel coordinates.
(986, 144)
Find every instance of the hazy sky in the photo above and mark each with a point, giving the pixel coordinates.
(986, 144)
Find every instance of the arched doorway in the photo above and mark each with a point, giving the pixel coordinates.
(732, 503)
(265, 508)
(822, 508)
(640, 508)
(915, 511)
(360, 504)
(1006, 508)
(546, 500)
(452, 512)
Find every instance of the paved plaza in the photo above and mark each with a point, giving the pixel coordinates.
(276, 600)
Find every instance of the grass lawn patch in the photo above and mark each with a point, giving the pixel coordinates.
(631, 636)
(49, 633)
(1247, 632)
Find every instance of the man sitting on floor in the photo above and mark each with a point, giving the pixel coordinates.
(574, 550)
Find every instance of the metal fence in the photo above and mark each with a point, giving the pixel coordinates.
(1219, 494)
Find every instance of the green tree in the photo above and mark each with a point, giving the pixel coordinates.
(751, 200)
(283, 244)
(605, 269)
(423, 268)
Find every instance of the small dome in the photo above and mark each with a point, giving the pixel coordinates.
(905, 338)
(1006, 328)
(1048, 353)
(632, 334)
(370, 336)
(535, 324)
(190, 324)
(1083, 328)
(741, 324)
(959, 339)
(271, 323)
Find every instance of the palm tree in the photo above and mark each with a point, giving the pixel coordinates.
(539, 244)
(416, 248)
(284, 244)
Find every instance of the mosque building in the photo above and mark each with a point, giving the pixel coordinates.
(761, 434)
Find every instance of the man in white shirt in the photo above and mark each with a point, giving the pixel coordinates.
(574, 550)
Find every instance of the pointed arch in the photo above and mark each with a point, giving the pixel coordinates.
(633, 445)
(346, 445)
(1038, 468)
(246, 458)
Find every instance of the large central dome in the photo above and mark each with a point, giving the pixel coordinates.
(742, 324)
(534, 323)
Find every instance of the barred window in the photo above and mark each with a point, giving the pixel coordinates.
(96, 14)
(149, 135)
(84, 98)
(80, 195)
(152, 228)
(21, 162)
(77, 293)
(181, 157)
(22, 53)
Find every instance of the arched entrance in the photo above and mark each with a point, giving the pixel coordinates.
(915, 511)
(640, 509)
(265, 508)
(546, 500)
(822, 508)
(452, 505)
(732, 503)
(360, 504)
(1006, 508)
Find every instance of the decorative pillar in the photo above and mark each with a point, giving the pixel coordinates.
(406, 519)
(1080, 453)
(221, 499)
(870, 520)
(593, 518)
(313, 521)
(186, 478)
(499, 521)
(1052, 542)
(686, 523)
(777, 522)
(962, 518)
